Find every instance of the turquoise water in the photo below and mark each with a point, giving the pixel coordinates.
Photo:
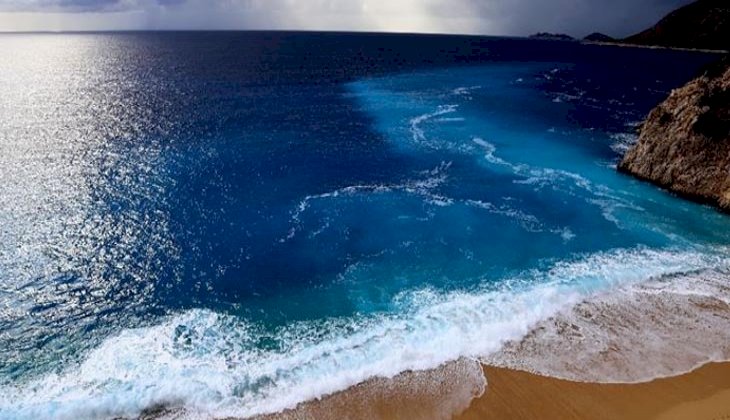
(237, 223)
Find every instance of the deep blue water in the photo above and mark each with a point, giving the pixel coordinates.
(222, 220)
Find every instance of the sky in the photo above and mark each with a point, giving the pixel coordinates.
(489, 17)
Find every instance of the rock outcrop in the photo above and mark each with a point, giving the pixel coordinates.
(684, 144)
(704, 24)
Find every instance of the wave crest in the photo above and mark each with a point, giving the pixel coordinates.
(220, 365)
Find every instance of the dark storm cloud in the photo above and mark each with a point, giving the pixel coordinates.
(508, 17)
(578, 17)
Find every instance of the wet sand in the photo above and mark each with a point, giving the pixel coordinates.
(643, 331)
(703, 394)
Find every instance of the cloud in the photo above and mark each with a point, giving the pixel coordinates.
(63, 6)
(496, 17)
(577, 17)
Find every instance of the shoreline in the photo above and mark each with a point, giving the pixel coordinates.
(655, 47)
(650, 351)
(641, 351)
(703, 394)
(646, 351)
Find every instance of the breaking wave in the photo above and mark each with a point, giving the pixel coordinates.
(222, 366)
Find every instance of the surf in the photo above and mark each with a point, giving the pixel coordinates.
(211, 362)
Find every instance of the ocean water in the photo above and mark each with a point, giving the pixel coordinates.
(234, 223)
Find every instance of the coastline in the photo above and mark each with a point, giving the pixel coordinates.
(657, 350)
(413, 242)
(655, 47)
(703, 394)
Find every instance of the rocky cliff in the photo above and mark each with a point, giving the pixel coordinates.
(684, 143)
(704, 24)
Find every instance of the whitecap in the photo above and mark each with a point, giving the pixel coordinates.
(667, 326)
(622, 142)
(210, 363)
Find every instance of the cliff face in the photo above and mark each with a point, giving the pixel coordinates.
(703, 24)
(684, 144)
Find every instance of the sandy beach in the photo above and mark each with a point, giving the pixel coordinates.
(365, 209)
(700, 395)
(703, 394)
(606, 345)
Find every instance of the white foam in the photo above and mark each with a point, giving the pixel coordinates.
(453, 119)
(622, 142)
(542, 177)
(209, 362)
(489, 150)
(567, 97)
(528, 221)
(466, 91)
(417, 132)
(637, 333)
(424, 187)
(608, 200)
(560, 179)
(490, 155)
(565, 233)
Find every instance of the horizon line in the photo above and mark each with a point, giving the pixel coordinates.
(328, 31)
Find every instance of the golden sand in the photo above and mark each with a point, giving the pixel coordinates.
(700, 395)
(623, 325)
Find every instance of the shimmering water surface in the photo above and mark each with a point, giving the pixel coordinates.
(238, 222)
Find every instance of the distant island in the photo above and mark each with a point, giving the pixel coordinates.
(552, 37)
(599, 37)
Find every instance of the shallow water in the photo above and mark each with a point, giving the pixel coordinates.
(236, 223)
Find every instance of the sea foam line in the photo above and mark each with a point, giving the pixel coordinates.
(422, 187)
(418, 134)
(606, 199)
(426, 188)
(667, 326)
(209, 363)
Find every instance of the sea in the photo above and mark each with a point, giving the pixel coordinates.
(233, 223)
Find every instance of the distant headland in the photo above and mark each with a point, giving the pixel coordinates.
(552, 37)
(684, 144)
(702, 25)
